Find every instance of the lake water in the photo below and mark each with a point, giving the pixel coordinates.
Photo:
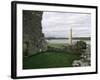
(64, 41)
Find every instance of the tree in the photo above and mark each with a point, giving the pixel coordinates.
(81, 44)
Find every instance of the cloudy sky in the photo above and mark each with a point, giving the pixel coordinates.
(58, 24)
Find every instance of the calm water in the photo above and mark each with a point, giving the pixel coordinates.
(65, 41)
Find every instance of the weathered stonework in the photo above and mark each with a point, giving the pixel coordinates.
(33, 38)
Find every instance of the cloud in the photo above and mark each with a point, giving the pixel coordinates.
(57, 24)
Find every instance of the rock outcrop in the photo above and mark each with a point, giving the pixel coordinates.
(33, 38)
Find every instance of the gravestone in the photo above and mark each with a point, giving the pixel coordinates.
(33, 38)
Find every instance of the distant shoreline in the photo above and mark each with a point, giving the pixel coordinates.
(75, 38)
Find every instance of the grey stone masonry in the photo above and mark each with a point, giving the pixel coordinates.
(33, 38)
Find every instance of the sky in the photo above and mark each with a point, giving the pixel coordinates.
(58, 24)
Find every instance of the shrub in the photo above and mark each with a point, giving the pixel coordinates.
(55, 49)
(80, 45)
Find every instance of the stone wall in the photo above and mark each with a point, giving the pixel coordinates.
(33, 38)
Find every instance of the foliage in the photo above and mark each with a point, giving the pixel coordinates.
(55, 49)
(80, 45)
(77, 48)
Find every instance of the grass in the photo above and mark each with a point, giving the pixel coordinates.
(49, 60)
(57, 45)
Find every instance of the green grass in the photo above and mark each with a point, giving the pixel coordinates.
(49, 60)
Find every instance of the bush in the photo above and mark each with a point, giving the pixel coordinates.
(77, 48)
(80, 45)
(55, 49)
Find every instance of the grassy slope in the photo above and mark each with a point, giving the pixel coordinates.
(57, 45)
(49, 60)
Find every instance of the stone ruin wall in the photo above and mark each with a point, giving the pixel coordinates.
(33, 38)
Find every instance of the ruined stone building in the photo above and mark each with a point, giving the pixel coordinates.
(33, 38)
